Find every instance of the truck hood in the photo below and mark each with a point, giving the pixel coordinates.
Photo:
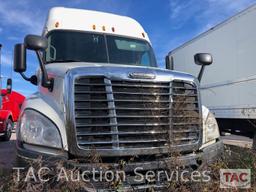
(61, 69)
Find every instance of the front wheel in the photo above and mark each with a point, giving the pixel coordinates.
(8, 131)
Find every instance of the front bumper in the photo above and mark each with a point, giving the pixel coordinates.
(208, 154)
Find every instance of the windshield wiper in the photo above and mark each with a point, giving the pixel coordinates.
(63, 61)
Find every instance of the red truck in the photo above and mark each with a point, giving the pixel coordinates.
(10, 104)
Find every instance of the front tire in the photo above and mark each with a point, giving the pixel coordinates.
(8, 131)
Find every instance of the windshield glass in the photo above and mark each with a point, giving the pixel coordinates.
(68, 46)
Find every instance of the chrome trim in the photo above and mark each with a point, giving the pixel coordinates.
(137, 75)
(112, 112)
(170, 112)
(119, 73)
(121, 133)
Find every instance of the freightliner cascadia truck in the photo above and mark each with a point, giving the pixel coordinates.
(230, 96)
(10, 105)
(100, 91)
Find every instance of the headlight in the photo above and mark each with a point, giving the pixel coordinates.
(211, 128)
(38, 129)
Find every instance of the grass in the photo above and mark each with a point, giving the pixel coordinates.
(233, 158)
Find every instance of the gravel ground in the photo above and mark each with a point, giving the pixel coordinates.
(7, 153)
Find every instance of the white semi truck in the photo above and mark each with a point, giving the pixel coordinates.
(229, 85)
(100, 91)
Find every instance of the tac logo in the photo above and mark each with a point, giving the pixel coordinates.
(235, 178)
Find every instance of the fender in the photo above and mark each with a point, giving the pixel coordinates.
(205, 113)
(4, 115)
(48, 108)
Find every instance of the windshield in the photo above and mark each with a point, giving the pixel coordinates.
(68, 46)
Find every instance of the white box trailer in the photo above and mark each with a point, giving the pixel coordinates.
(229, 84)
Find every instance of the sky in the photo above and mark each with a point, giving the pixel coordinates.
(169, 23)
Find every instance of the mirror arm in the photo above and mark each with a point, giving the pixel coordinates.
(32, 79)
(200, 75)
(25, 77)
(46, 82)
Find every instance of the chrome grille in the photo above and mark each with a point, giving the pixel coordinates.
(143, 109)
(111, 114)
(186, 122)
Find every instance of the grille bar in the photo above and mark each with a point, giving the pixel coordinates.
(112, 113)
(141, 86)
(121, 108)
(185, 131)
(121, 142)
(139, 101)
(185, 138)
(121, 133)
(126, 93)
(122, 116)
(121, 124)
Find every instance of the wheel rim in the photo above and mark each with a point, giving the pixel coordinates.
(9, 129)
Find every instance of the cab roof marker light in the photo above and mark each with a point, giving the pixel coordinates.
(57, 24)
(94, 27)
(113, 29)
(103, 28)
(143, 35)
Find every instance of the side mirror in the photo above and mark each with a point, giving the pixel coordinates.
(9, 86)
(19, 63)
(35, 42)
(202, 59)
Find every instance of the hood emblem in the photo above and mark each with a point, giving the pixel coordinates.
(138, 75)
